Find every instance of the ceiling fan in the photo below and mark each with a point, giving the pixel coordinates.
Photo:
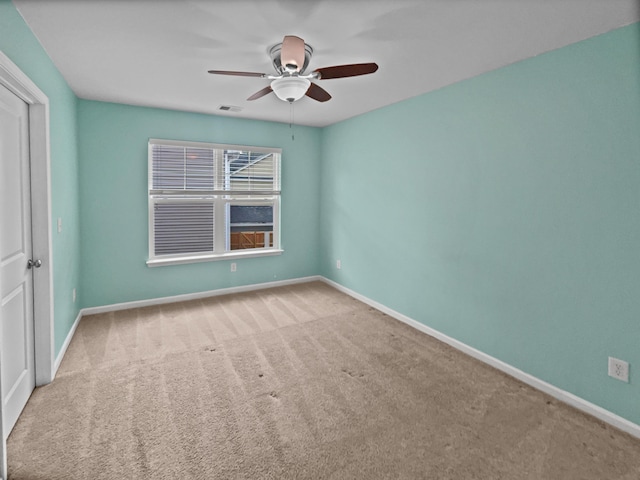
(290, 60)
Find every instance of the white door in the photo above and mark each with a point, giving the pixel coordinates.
(16, 276)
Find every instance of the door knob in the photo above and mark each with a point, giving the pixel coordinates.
(34, 263)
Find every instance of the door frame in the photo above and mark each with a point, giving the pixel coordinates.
(23, 87)
(17, 82)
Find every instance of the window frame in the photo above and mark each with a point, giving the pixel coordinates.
(221, 203)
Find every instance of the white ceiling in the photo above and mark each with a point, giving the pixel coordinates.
(157, 53)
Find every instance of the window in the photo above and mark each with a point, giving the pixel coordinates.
(210, 201)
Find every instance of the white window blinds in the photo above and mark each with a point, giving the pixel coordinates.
(182, 168)
(178, 168)
(183, 227)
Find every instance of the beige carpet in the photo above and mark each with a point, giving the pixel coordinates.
(297, 382)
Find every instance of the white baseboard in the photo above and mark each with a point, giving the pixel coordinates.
(194, 296)
(562, 395)
(65, 345)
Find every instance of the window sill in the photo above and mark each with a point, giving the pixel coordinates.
(160, 262)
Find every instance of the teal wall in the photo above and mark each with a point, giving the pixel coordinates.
(504, 211)
(114, 206)
(20, 45)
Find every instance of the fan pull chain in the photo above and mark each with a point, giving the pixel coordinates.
(291, 122)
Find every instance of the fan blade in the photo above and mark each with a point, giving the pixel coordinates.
(237, 74)
(317, 93)
(292, 53)
(341, 71)
(261, 93)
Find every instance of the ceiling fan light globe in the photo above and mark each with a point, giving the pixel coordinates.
(290, 89)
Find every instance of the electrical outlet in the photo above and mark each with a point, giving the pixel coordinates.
(73, 295)
(338, 264)
(619, 369)
(233, 267)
